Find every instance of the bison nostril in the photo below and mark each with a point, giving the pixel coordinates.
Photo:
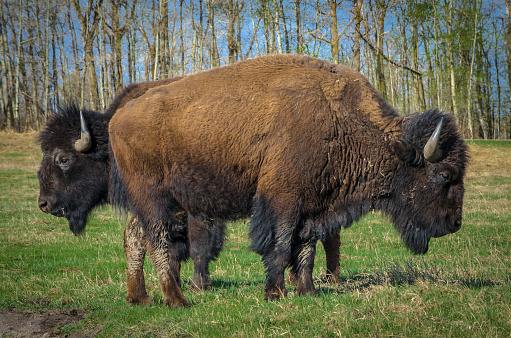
(43, 205)
(457, 225)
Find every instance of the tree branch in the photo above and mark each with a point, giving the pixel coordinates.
(380, 52)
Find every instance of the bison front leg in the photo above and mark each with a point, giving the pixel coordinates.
(169, 282)
(333, 268)
(134, 247)
(166, 252)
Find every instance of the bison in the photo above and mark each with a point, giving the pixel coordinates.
(302, 146)
(73, 179)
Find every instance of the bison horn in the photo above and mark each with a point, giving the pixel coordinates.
(432, 152)
(84, 142)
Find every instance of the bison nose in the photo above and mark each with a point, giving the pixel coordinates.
(457, 225)
(43, 205)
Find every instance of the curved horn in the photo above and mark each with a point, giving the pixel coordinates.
(84, 142)
(432, 152)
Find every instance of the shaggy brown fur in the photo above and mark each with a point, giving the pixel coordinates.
(303, 146)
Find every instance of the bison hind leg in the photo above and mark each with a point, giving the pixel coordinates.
(277, 259)
(302, 266)
(332, 245)
(275, 287)
(206, 241)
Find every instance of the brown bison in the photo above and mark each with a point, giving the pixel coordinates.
(73, 179)
(302, 146)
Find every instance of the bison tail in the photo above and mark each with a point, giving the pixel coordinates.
(117, 191)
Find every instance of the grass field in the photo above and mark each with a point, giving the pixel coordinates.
(54, 283)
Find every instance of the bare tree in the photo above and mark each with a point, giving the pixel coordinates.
(508, 46)
(380, 11)
(89, 21)
(233, 12)
(214, 56)
(357, 7)
(18, 71)
(298, 23)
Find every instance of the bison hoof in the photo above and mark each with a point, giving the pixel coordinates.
(334, 278)
(302, 291)
(177, 303)
(200, 285)
(292, 279)
(275, 294)
(144, 301)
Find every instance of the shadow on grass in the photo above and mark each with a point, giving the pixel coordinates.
(406, 272)
(409, 272)
(222, 284)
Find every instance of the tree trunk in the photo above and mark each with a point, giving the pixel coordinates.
(499, 94)
(471, 77)
(334, 39)
(419, 88)
(276, 26)
(380, 72)
(298, 22)
(89, 20)
(450, 56)
(215, 58)
(7, 70)
(157, 43)
(232, 48)
(357, 5)
(284, 26)
(46, 72)
(17, 78)
(508, 46)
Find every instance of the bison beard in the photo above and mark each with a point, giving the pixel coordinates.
(303, 146)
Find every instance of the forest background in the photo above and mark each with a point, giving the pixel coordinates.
(454, 55)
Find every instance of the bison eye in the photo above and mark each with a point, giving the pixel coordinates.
(443, 174)
(64, 160)
(446, 176)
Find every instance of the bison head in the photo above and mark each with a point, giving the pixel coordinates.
(427, 198)
(73, 176)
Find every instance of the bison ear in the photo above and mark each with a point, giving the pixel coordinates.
(406, 153)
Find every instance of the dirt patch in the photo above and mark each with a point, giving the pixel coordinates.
(39, 324)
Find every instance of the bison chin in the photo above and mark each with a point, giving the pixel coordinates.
(416, 240)
(77, 222)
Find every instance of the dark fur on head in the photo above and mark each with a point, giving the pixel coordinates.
(428, 198)
(72, 183)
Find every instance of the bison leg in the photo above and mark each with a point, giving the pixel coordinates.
(302, 266)
(272, 236)
(332, 245)
(275, 287)
(134, 240)
(167, 267)
(206, 241)
(276, 261)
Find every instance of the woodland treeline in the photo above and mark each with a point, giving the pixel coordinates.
(451, 54)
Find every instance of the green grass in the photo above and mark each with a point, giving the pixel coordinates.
(461, 288)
